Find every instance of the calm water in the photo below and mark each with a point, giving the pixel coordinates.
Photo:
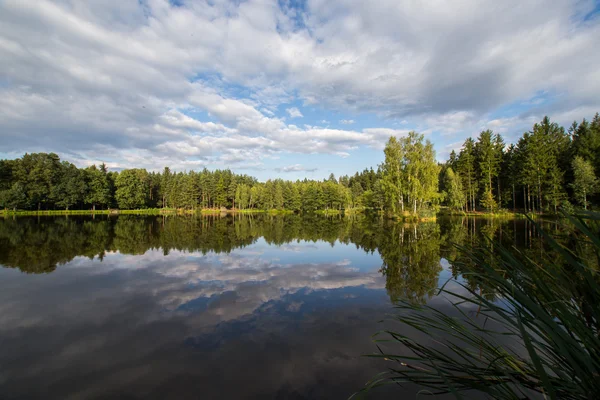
(213, 307)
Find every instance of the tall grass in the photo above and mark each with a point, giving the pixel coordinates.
(538, 337)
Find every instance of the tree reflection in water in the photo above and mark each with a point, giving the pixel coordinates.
(410, 253)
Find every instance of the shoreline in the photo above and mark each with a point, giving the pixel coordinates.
(161, 211)
(211, 211)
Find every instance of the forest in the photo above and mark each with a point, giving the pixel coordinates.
(547, 169)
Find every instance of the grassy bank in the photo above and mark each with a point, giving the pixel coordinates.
(414, 218)
(147, 211)
(488, 214)
(405, 217)
(53, 212)
(156, 211)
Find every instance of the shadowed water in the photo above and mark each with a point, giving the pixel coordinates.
(215, 307)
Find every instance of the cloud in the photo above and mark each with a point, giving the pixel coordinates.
(183, 277)
(295, 168)
(141, 326)
(346, 121)
(201, 84)
(294, 112)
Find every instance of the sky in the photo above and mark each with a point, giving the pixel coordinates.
(286, 88)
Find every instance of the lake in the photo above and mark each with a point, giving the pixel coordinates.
(244, 306)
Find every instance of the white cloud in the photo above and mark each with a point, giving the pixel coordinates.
(146, 82)
(294, 112)
(185, 276)
(347, 121)
(177, 119)
(295, 168)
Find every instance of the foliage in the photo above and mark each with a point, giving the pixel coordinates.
(585, 183)
(98, 186)
(132, 188)
(455, 194)
(410, 174)
(412, 267)
(535, 174)
(534, 327)
(488, 153)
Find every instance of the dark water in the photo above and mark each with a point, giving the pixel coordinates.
(258, 307)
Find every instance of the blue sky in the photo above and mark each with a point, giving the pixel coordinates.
(283, 88)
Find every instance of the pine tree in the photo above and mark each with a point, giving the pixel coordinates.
(231, 189)
(278, 195)
(487, 158)
(220, 192)
(356, 192)
(466, 169)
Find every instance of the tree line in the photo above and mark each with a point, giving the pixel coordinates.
(548, 168)
(42, 181)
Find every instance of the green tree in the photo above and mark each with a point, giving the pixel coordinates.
(357, 193)
(71, 189)
(14, 197)
(38, 173)
(278, 195)
(510, 172)
(488, 159)
(586, 141)
(541, 153)
(242, 196)
(231, 190)
(220, 193)
(189, 190)
(6, 174)
(499, 156)
(555, 194)
(98, 192)
(165, 183)
(132, 188)
(410, 174)
(394, 175)
(422, 171)
(466, 169)
(455, 193)
(295, 199)
(585, 183)
(255, 196)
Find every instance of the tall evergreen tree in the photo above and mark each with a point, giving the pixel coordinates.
(221, 193)
(466, 169)
(488, 161)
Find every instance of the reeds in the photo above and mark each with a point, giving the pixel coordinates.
(537, 337)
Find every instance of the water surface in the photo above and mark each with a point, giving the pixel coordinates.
(213, 307)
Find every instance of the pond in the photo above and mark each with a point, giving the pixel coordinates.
(245, 306)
